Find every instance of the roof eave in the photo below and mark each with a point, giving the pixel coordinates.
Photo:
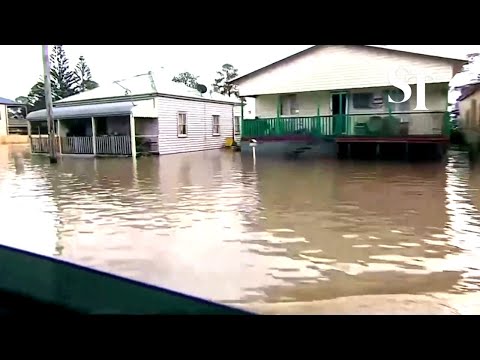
(67, 117)
(197, 99)
(12, 104)
(84, 111)
(456, 59)
(139, 98)
(105, 99)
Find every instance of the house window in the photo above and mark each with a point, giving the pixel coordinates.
(216, 124)
(289, 105)
(182, 124)
(237, 124)
(398, 95)
(362, 100)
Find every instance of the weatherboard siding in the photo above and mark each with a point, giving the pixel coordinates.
(266, 106)
(338, 67)
(199, 125)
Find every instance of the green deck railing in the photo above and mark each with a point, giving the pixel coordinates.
(376, 125)
(316, 125)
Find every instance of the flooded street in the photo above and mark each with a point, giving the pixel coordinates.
(215, 225)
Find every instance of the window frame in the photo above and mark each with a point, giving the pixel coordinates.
(215, 133)
(236, 125)
(369, 104)
(179, 133)
(289, 102)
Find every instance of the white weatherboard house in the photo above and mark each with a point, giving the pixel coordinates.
(142, 114)
(340, 93)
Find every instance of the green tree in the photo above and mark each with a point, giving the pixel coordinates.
(221, 85)
(63, 80)
(186, 78)
(22, 100)
(83, 76)
(36, 97)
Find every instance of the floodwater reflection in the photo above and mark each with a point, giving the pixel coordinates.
(214, 224)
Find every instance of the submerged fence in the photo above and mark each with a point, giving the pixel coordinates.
(104, 145)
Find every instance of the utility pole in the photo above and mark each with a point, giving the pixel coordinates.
(49, 104)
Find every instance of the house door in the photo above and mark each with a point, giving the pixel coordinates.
(339, 106)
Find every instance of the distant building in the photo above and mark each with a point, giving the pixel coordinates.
(12, 117)
(469, 115)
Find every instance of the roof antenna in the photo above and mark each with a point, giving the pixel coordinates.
(127, 91)
(152, 81)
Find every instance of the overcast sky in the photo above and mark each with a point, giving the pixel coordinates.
(21, 65)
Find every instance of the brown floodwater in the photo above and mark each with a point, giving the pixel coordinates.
(216, 225)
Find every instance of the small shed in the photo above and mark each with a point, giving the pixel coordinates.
(142, 114)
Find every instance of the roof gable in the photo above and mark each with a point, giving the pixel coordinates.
(307, 51)
(342, 67)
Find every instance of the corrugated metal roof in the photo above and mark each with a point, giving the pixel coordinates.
(84, 111)
(5, 101)
(146, 84)
(138, 85)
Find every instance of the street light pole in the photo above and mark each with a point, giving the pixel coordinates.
(49, 105)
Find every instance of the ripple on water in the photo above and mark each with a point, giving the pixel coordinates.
(213, 225)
